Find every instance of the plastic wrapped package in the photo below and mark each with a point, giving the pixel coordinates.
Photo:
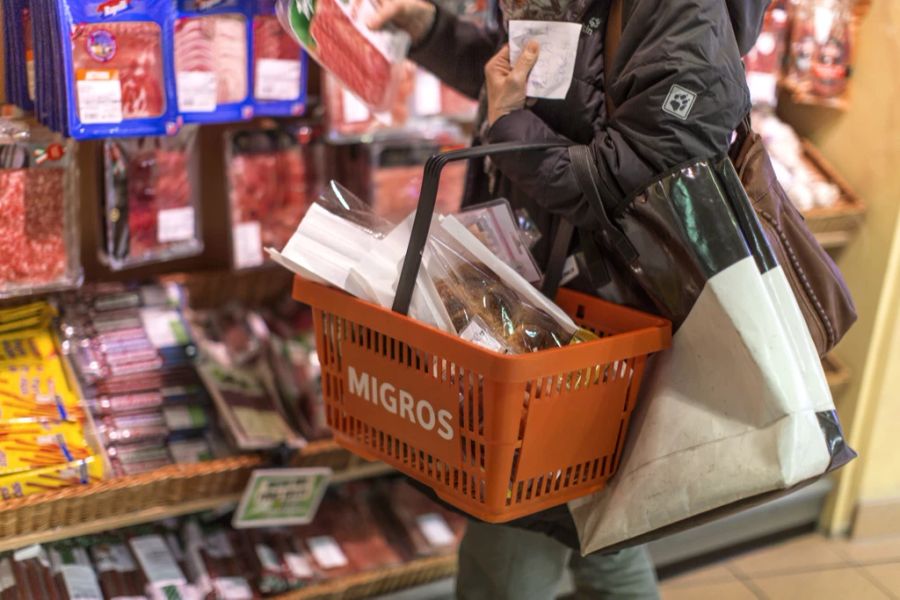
(274, 175)
(38, 211)
(820, 49)
(213, 60)
(368, 63)
(280, 67)
(765, 61)
(426, 528)
(117, 568)
(348, 117)
(152, 199)
(74, 573)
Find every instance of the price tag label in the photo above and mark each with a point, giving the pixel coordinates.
(99, 96)
(354, 110)
(277, 79)
(326, 552)
(275, 497)
(197, 91)
(435, 529)
(248, 245)
(175, 224)
(427, 97)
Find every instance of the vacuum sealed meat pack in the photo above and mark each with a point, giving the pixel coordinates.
(280, 67)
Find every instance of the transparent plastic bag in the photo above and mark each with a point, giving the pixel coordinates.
(334, 33)
(152, 200)
(38, 211)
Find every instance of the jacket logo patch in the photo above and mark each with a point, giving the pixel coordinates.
(679, 102)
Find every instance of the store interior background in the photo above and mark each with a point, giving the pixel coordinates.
(861, 508)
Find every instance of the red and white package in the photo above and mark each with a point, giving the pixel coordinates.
(334, 33)
(38, 211)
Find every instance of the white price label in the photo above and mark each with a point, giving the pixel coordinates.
(277, 79)
(435, 529)
(175, 224)
(162, 326)
(233, 588)
(299, 566)
(156, 560)
(570, 270)
(99, 97)
(248, 245)
(427, 98)
(326, 552)
(354, 110)
(81, 582)
(477, 333)
(197, 91)
(763, 88)
(268, 558)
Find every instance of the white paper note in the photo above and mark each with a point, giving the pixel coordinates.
(552, 74)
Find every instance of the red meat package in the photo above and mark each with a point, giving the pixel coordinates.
(426, 528)
(368, 63)
(274, 176)
(152, 202)
(765, 61)
(38, 204)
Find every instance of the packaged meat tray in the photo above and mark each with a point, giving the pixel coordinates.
(213, 60)
(425, 528)
(335, 34)
(118, 74)
(280, 67)
(151, 199)
(38, 211)
(273, 175)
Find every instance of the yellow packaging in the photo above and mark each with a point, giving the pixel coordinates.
(37, 445)
(47, 479)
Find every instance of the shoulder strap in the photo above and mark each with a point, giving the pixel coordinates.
(611, 45)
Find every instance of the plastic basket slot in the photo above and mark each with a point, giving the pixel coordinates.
(614, 461)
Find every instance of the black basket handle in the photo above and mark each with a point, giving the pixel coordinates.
(425, 209)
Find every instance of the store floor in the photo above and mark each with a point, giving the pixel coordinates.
(805, 567)
(810, 566)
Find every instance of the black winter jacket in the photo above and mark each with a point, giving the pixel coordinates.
(693, 44)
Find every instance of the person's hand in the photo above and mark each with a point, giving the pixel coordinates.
(505, 82)
(415, 17)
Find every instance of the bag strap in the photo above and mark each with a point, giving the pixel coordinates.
(611, 46)
(562, 241)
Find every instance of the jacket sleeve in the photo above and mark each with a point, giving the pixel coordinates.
(456, 51)
(667, 48)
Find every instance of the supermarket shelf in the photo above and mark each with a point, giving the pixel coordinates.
(168, 492)
(384, 581)
(834, 240)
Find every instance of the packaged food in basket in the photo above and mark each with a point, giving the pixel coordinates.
(165, 578)
(116, 567)
(334, 33)
(32, 573)
(274, 175)
(38, 211)
(74, 572)
(152, 205)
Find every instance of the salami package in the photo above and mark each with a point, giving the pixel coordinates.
(118, 75)
(38, 211)
(350, 118)
(213, 67)
(273, 175)
(152, 199)
(334, 33)
(280, 67)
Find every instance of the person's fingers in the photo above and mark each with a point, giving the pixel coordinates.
(386, 13)
(499, 63)
(526, 61)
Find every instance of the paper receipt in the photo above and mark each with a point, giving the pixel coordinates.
(552, 74)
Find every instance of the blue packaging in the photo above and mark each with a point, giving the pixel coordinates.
(16, 36)
(280, 68)
(212, 58)
(118, 67)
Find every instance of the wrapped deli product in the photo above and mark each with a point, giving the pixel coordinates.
(334, 33)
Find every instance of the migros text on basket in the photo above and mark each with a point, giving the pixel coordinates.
(401, 403)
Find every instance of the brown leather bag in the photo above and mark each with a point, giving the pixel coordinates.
(817, 283)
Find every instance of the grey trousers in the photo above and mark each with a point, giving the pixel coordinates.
(504, 563)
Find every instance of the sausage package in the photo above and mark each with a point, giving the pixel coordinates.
(117, 74)
(152, 199)
(213, 70)
(280, 68)
(334, 33)
(38, 211)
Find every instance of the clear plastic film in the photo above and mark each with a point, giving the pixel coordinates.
(334, 33)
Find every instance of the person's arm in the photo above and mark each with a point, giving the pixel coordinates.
(688, 43)
(456, 50)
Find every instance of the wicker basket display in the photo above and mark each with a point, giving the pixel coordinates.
(835, 225)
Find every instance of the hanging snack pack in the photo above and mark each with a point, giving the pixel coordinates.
(212, 60)
(280, 69)
(334, 32)
(152, 201)
(274, 175)
(117, 72)
(38, 211)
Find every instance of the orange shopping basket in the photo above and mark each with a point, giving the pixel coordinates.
(497, 436)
